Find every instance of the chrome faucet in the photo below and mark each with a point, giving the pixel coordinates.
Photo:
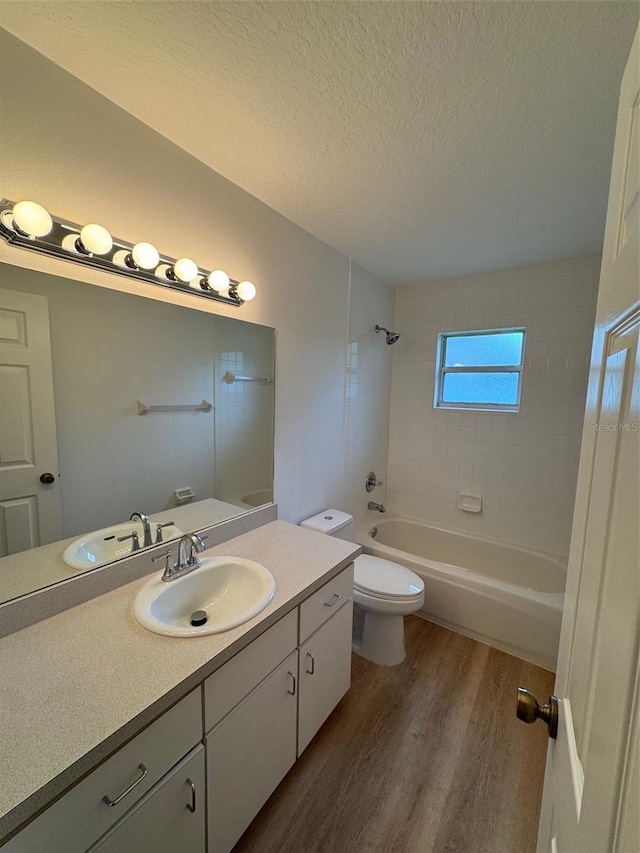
(196, 544)
(185, 563)
(376, 507)
(146, 527)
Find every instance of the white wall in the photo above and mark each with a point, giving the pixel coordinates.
(72, 150)
(523, 464)
(367, 388)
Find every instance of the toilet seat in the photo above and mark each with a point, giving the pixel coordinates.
(385, 580)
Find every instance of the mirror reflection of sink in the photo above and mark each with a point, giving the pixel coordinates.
(230, 591)
(102, 546)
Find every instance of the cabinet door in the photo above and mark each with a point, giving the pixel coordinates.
(170, 817)
(325, 673)
(248, 754)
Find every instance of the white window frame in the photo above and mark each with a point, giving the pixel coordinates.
(441, 370)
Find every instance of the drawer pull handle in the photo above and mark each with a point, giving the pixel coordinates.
(293, 684)
(192, 805)
(336, 598)
(311, 658)
(106, 799)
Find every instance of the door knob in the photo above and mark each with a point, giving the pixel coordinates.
(529, 710)
(47, 479)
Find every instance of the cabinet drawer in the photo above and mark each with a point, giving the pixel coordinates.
(233, 681)
(81, 816)
(324, 603)
(170, 817)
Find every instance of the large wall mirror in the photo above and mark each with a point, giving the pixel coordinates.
(112, 404)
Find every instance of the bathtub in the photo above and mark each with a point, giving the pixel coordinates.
(505, 596)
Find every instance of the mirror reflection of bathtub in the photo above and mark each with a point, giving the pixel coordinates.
(259, 497)
(508, 597)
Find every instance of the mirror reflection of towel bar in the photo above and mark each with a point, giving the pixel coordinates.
(204, 406)
(229, 378)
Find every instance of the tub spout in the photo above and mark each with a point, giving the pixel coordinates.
(376, 507)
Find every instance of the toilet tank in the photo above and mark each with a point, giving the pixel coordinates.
(334, 522)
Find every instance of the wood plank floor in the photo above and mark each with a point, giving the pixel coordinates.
(425, 757)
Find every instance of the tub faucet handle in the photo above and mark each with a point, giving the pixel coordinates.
(372, 481)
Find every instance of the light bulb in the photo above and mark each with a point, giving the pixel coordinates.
(218, 280)
(95, 240)
(185, 270)
(246, 290)
(31, 218)
(145, 256)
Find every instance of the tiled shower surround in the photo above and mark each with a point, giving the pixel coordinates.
(367, 388)
(524, 464)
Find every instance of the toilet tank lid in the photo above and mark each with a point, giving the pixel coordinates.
(329, 521)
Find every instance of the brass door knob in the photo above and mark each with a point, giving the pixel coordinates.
(529, 710)
(47, 479)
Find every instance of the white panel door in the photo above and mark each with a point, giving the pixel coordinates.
(29, 508)
(591, 802)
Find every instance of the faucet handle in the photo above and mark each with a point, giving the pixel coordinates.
(169, 567)
(159, 528)
(372, 481)
(135, 542)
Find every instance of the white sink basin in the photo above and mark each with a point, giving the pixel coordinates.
(102, 546)
(230, 590)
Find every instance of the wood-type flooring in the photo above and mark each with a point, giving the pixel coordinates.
(425, 757)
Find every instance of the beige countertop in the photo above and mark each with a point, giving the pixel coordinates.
(75, 687)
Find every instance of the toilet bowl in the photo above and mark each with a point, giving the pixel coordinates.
(383, 594)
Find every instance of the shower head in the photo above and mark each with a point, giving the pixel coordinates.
(392, 337)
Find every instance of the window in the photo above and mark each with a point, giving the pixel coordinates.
(479, 370)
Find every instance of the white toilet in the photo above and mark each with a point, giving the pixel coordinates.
(383, 594)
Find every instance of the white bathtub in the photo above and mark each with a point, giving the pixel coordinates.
(507, 597)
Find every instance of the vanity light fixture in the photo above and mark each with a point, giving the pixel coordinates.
(28, 225)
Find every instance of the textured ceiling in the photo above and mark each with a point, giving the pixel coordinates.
(424, 140)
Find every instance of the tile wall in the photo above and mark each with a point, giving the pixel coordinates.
(524, 465)
(367, 388)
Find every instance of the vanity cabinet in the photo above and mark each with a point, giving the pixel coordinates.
(258, 712)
